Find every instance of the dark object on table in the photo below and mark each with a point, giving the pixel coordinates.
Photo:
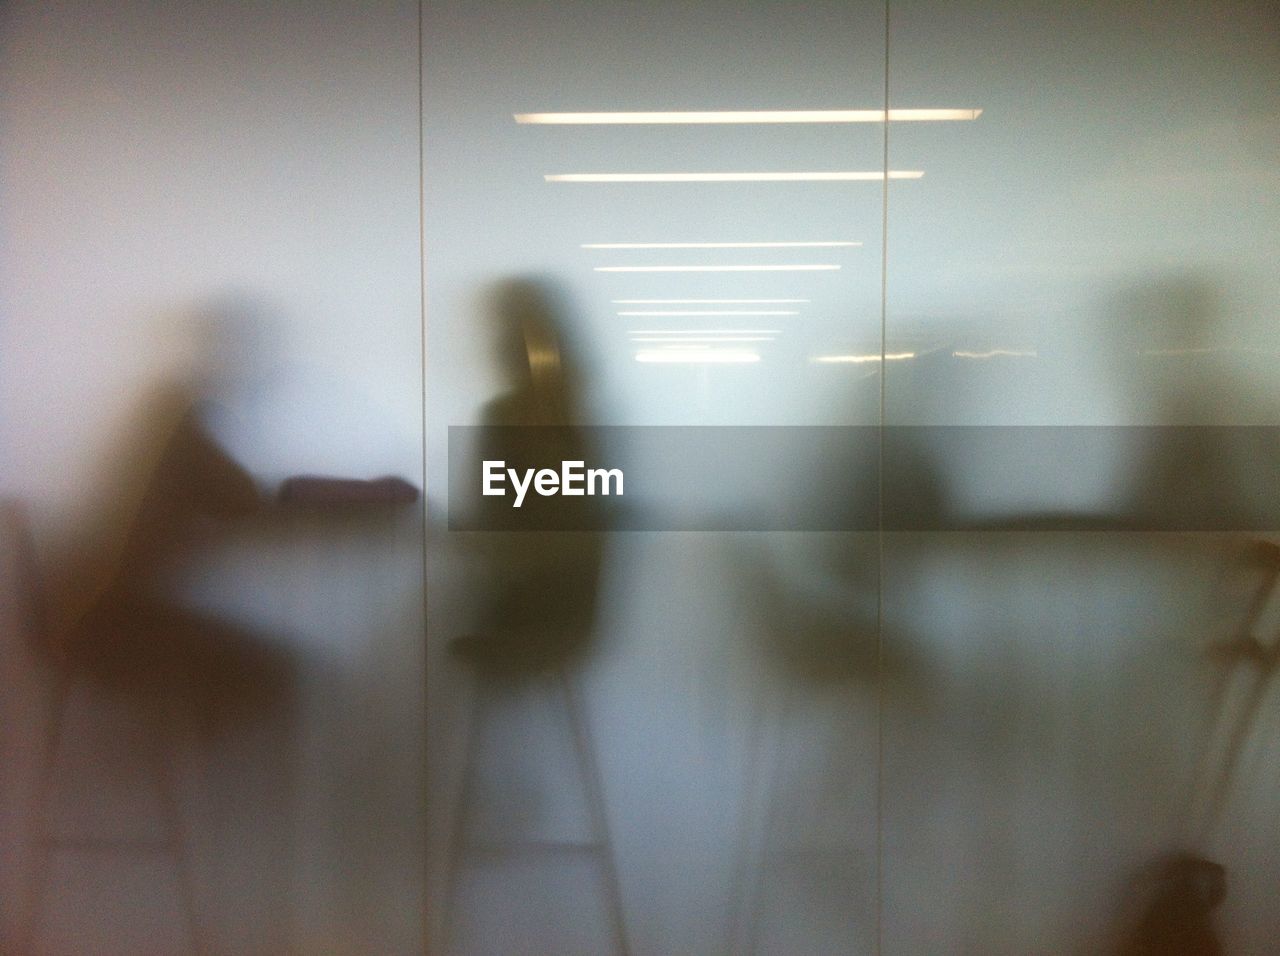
(311, 489)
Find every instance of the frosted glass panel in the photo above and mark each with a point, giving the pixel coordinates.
(211, 285)
(670, 762)
(1076, 752)
(916, 366)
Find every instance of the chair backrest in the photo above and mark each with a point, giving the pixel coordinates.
(1260, 630)
(26, 612)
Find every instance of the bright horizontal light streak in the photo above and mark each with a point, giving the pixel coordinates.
(771, 268)
(860, 359)
(717, 312)
(705, 332)
(746, 116)
(874, 175)
(716, 245)
(702, 338)
(705, 301)
(697, 356)
(994, 353)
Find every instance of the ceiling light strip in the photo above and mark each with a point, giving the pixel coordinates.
(715, 312)
(698, 356)
(759, 177)
(995, 353)
(703, 338)
(718, 245)
(705, 332)
(862, 359)
(735, 268)
(705, 301)
(678, 117)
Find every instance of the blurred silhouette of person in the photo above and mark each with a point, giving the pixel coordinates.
(118, 616)
(1178, 917)
(821, 611)
(125, 616)
(114, 622)
(544, 564)
(542, 561)
(184, 496)
(1200, 469)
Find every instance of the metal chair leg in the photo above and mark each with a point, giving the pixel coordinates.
(584, 753)
(594, 783)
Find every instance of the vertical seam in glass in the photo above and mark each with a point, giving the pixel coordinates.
(422, 413)
(884, 293)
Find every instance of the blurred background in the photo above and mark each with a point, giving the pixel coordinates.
(259, 259)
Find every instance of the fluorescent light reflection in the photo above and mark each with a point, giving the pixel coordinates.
(833, 176)
(769, 268)
(697, 356)
(705, 301)
(703, 338)
(861, 359)
(716, 312)
(705, 332)
(746, 116)
(995, 353)
(717, 245)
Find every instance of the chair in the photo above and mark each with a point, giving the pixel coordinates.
(150, 658)
(500, 659)
(1255, 647)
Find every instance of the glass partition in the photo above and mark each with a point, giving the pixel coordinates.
(1072, 761)
(640, 478)
(657, 226)
(211, 720)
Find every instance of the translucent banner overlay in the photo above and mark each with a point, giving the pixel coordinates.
(864, 478)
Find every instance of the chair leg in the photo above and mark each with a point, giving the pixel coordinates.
(45, 842)
(40, 854)
(462, 811)
(594, 784)
(176, 835)
(584, 752)
(759, 812)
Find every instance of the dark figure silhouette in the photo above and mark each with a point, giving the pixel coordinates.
(131, 619)
(1178, 920)
(543, 574)
(137, 631)
(118, 616)
(543, 567)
